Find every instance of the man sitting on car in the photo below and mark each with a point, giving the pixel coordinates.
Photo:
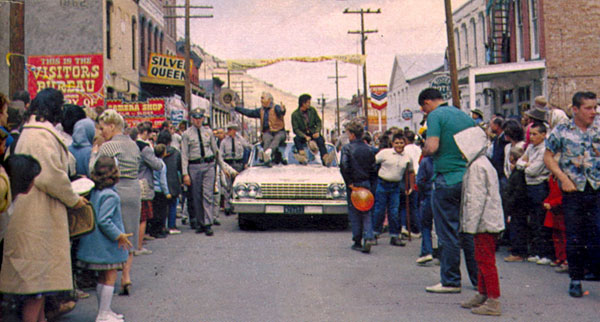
(307, 126)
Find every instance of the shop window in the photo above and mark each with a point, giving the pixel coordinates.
(507, 97)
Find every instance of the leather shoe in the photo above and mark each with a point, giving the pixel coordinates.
(208, 231)
(216, 222)
(575, 289)
(395, 241)
(200, 229)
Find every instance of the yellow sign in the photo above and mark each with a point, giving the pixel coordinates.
(243, 64)
(166, 67)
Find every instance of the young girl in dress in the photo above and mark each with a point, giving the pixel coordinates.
(105, 248)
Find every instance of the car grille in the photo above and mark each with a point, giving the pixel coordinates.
(293, 191)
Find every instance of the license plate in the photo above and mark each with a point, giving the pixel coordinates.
(293, 210)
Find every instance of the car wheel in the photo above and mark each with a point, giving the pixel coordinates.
(245, 223)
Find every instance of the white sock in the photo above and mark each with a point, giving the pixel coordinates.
(106, 298)
(99, 288)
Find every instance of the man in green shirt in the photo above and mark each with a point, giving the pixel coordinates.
(307, 127)
(449, 166)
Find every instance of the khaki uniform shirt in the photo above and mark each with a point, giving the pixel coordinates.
(190, 147)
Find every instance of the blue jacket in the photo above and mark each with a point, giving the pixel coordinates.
(159, 179)
(100, 246)
(424, 182)
(81, 148)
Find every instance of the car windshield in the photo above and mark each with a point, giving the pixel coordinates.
(285, 155)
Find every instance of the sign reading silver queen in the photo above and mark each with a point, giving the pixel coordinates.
(289, 188)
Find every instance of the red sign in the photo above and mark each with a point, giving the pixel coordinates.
(152, 110)
(79, 77)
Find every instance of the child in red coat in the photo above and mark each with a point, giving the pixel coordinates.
(555, 219)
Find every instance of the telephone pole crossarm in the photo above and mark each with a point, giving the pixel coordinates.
(363, 39)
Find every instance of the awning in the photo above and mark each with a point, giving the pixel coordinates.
(511, 72)
(491, 72)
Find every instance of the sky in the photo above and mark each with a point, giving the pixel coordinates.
(243, 29)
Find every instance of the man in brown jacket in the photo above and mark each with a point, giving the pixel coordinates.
(272, 124)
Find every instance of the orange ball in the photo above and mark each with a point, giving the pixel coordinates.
(362, 199)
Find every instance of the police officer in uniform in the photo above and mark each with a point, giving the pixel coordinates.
(198, 155)
(232, 150)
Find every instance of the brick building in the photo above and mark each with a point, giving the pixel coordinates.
(571, 46)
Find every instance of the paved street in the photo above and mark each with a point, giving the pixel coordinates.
(306, 274)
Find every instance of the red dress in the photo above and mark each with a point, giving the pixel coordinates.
(555, 219)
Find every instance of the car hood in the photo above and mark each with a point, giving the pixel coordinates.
(291, 174)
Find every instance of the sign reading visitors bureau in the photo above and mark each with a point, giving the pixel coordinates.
(166, 67)
(152, 110)
(79, 77)
(442, 84)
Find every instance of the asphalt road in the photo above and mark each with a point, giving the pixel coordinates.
(308, 274)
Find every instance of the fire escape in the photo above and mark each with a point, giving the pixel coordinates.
(499, 34)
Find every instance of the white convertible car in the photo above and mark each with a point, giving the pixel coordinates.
(287, 188)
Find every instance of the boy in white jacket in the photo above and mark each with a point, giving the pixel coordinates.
(481, 215)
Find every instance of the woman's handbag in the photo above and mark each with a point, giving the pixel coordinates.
(81, 220)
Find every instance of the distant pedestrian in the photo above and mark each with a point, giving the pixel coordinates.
(481, 216)
(536, 178)
(443, 122)
(172, 161)
(357, 166)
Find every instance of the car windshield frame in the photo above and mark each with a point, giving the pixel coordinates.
(286, 150)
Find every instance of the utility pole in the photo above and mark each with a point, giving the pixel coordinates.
(363, 38)
(243, 102)
(322, 102)
(337, 98)
(17, 47)
(452, 55)
(188, 69)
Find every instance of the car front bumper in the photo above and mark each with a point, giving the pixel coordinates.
(310, 207)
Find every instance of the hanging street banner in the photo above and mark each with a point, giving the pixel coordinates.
(79, 77)
(378, 96)
(152, 110)
(243, 64)
(442, 84)
(166, 67)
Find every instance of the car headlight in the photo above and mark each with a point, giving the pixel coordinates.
(241, 190)
(337, 190)
(250, 190)
(253, 190)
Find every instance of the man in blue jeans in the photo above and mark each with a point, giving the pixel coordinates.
(357, 165)
(449, 166)
(578, 173)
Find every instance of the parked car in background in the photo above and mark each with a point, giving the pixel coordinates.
(288, 189)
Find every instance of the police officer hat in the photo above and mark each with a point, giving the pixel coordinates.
(197, 113)
(232, 125)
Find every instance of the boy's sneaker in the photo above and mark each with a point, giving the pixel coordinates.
(533, 259)
(513, 258)
(563, 268)
(475, 301)
(367, 246)
(357, 246)
(489, 307)
(556, 263)
(174, 231)
(424, 259)
(142, 251)
(404, 232)
(439, 288)
(544, 261)
(395, 241)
